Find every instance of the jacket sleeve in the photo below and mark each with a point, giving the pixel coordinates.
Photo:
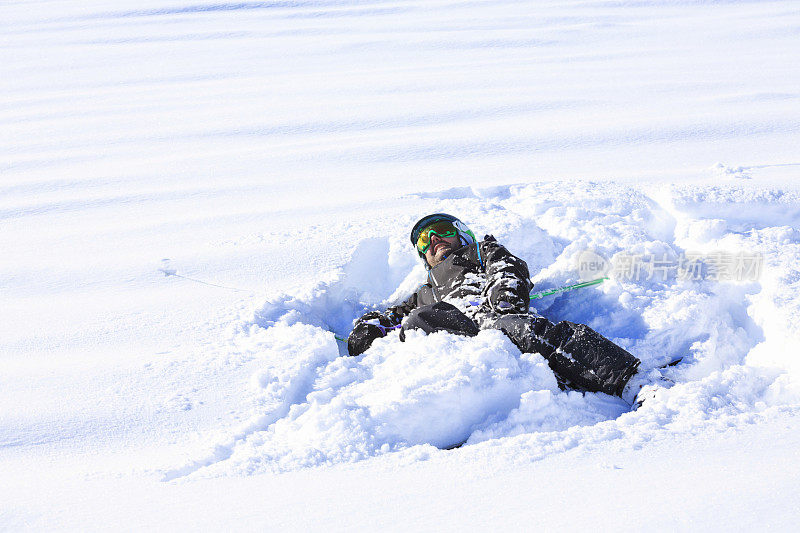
(398, 312)
(508, 285)
(376, 324)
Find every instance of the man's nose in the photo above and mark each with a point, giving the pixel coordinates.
(435, 237)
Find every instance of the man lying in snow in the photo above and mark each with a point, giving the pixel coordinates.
(477, 285)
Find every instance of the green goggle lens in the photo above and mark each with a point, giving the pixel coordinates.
(442, 229)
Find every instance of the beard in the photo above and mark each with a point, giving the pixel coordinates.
(440, 251)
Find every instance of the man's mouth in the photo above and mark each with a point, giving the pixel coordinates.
(440, 245)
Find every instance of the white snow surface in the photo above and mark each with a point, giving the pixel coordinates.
(195, 197)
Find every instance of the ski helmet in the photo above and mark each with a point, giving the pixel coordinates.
(465, 235)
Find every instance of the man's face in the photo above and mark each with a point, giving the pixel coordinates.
(440, 247)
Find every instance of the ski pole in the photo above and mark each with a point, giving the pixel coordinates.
(568, 288)
(560, 289)
(168, 271)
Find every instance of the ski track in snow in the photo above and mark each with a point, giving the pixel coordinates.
(399, 400)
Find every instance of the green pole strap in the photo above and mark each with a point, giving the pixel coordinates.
(568, 288)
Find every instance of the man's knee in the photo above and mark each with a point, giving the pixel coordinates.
(525, 330)
(440, 316)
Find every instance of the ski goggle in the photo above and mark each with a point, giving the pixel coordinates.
(442, 229)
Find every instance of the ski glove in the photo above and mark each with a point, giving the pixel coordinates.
(504, 300)
(369, 327)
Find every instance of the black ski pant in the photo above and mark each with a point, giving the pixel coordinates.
(581, 358)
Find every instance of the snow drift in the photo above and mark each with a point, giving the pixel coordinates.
(733, 338)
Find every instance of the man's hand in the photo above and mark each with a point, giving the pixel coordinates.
(370, 327)
(505, 301)
(362, 336)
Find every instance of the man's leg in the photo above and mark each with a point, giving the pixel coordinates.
(580, 357)
(440, 316)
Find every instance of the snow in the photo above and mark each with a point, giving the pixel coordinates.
(196, 197)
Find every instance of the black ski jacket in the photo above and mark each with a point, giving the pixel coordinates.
(481, 280)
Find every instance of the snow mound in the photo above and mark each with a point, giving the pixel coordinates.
(734, 337)
(436, 390)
